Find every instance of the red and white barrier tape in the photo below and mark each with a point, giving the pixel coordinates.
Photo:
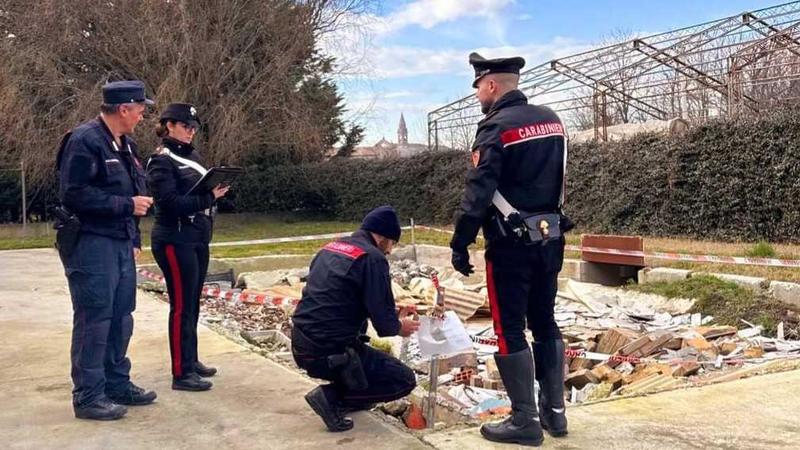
(151, 275)
(243, 297)
(283, 240)
(575, 353)
(740, 260)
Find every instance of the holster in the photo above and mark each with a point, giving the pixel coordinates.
(68, 228)
(348, 365)
(533, 228)
(542, 227)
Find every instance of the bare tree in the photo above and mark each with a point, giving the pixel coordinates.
(254, 68)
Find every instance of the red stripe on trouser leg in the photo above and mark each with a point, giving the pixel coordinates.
(495, 307)
(174, 269)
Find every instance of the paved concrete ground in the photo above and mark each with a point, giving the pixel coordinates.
(254, 404)
(756, 413)
(258, 404)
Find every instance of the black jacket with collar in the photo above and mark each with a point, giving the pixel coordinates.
(98, 180)
(180, 217)
(348, 283)
(520, 150)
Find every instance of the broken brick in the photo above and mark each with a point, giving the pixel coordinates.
(608, 375)
(676, 343)
(716, 332)
(476, 381)
(754, 352)
(583, 363)
(492, 372)
(686, 368)
(580, 378)
(614, 339)
(726, 348)
(698, 342)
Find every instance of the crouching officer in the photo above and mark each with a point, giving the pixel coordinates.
(348, 283)
(515, 192)
(102, 189)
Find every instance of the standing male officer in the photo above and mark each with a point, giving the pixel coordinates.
(102, 186)
(348, 283)
(515, 192)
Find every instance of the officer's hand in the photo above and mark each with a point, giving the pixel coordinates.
(141, 204)
(220, 191)
(408, 326)
(461, 263)
(407, 310)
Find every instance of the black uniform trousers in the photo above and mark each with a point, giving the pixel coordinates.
(102, 283)
(522, 281)
(184, 267)
(387, 377)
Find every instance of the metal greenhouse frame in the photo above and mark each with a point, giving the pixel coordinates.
(740, 64)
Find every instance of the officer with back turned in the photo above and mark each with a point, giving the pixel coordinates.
(515, 192)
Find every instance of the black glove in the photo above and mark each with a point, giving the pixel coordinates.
(461, 262)
(566, 224)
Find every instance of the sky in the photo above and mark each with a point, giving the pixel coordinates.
(410, 56)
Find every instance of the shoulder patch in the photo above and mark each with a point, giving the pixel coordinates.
(476, 157)
(531, 132)
(343, 248)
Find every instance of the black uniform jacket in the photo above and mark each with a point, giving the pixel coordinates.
(348, 283)
(180, 217)
(98, 180)
(520, 150)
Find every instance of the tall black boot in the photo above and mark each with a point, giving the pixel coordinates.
(549, 358)
(522, 427)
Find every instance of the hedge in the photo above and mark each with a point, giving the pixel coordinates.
(427, 187)
(726, 180)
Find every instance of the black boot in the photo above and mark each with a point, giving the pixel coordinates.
(329, 413)
(203, 370)
(191, 382)
(549, 357)
(103, 409)
(132, 395)
(522, 427)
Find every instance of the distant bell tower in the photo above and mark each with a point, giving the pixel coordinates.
(402, 131)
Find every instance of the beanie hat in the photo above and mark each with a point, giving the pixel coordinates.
(383, 221)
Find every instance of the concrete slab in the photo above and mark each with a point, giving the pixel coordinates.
(437, 255)
(786, 292)
(757, 413)
(255, 403)
(662, 274)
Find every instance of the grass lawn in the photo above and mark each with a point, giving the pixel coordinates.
(236, 227)
(728, 303)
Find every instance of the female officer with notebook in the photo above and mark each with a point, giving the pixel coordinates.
(180, 237)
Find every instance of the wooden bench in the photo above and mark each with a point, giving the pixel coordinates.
(610, 269)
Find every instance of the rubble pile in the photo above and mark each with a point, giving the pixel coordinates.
(619, 342)
(238, 316)
(412, 285)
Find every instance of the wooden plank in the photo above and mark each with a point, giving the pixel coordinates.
(615, 242)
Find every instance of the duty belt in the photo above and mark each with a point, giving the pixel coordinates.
(532, 227)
